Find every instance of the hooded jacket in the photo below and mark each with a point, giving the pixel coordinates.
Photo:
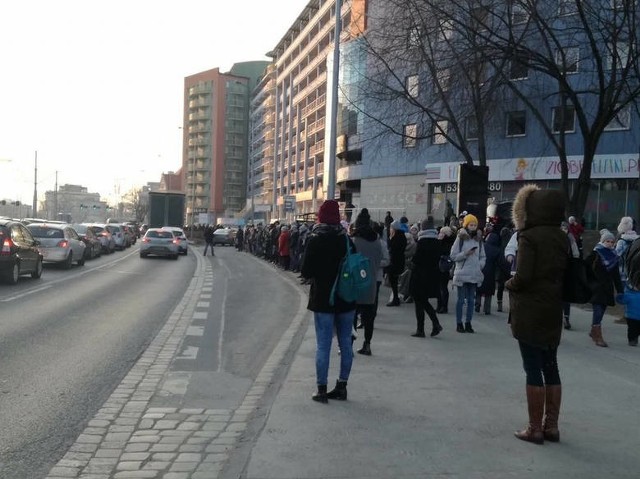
(468, 268)
(543, 250)
(367, 243)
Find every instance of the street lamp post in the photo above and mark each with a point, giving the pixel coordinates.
(331, 187)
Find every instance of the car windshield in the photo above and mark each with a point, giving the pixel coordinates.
(80, 229)
(44, 232)
(159, 234)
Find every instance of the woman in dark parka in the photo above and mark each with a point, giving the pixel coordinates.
(425, 277)
(535, 293)
(397, 245)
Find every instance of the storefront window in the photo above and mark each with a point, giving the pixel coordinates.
(591, 209)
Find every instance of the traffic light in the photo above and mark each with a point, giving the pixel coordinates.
(82, 206)
(96, 207)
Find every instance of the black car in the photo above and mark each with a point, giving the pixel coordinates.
(19, 253)
(90, 238)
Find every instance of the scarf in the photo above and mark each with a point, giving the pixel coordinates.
(608, 256)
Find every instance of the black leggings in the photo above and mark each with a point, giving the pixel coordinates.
(540, 365)
(423, 305)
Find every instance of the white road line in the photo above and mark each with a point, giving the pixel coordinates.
(26, 293)
(222, 323)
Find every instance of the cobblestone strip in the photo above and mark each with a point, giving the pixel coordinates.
(127, 439)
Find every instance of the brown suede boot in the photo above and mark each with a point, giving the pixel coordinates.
(596, 335)
(535, 404)
(552, 400)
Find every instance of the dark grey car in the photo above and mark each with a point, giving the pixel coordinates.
(19, 253)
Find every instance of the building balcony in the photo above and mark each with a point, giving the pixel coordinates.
(317, 148)
(314, 105)
(199, 90)
(348, 173)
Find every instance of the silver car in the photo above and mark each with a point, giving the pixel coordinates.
(178, 234)
(159, 242)
(58, 243)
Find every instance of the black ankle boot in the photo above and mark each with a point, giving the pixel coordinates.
(468, 328)
(435, 328)
(321, 395)
(339, 392)
(459, 328)
(365, 349)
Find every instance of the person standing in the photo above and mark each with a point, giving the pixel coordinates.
(325, 250)
(446, 237)
(576, 229)
(425, 277)
(535, 295)
(208, 238)
(367, 243)
(490, 270)
(468, 254)
(397, 247)
(603, 269)
(240, 239)
(284, 252)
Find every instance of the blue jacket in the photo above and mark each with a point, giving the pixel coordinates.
(631, 300)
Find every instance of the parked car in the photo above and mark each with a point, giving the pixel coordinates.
(224, 236)
(19, 254)
(118, 235)
(90, 238)
(159, 242)
(107, 241)
(58, 243)
(178, 234)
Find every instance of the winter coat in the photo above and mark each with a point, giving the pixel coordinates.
(622, 247)
(283, 243)
(326, 247)
(469, 266)
(445, 250)
(410, 249)
(397, 246)
(367, 243)
(492, 252)
(535, 291)
(601, 281)
(425, 275)
(385, 262)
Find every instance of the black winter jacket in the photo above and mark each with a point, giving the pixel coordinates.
(325, 250)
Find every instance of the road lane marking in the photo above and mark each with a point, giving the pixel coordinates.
(223, 317)
(26, 293)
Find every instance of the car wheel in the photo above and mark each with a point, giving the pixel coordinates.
(13, 275)
(142, 255)
(81, 262)
(38, 272)
(185, 252)
(68, 262)
(175, 256)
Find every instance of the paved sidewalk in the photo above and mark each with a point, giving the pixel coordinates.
(448, 406)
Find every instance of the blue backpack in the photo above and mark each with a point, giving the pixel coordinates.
(354, 277)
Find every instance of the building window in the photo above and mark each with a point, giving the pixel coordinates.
(519, 68)
(411, 86)
(563, 120)
(443, 77)
(566, 7)
(567, 59)
(471, 128)
(622, 120)
(409, 135)
(618, 56)
(440, 131)
(516, 123)
(519, 14)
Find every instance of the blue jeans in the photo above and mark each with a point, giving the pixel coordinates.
(598, 313)
(326, 324)
(466, 291)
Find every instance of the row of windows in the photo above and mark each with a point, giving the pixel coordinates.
(516, 125)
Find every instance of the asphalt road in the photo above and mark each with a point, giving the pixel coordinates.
(67, 340)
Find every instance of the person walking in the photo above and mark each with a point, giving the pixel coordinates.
(535, 296)
(425, 277)
(367, 243)
(603, 269)
(208, 238)
(397, 247)
(468, 254)
(488, 287)
(575, 253)
(325, 250)
(503, 271)
(631, 301)
(625, 240)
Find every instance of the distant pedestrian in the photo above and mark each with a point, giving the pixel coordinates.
(284, 251)
(397, 245)
(603, 270)
(324, 252)
(425, 277)
(446, 237)
(468, 253)
(536, 305)
(208, 238)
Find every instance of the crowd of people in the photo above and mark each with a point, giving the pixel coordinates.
(420, 262)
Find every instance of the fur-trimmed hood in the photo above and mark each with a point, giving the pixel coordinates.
(535, 207)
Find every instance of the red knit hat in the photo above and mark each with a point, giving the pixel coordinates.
(329, 213)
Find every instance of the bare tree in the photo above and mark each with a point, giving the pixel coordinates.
(135, 202)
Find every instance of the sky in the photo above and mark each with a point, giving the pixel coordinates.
(96, 87)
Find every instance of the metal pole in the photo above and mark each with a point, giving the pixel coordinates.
(331, 186)
(35, 188)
